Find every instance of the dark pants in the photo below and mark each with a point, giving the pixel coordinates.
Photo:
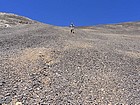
(72, 30)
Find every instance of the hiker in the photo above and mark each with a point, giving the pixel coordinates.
(72, 28)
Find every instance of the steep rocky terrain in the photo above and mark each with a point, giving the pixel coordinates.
(9, 20)
(42, 64)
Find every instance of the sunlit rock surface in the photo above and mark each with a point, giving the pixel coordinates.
(42, 64)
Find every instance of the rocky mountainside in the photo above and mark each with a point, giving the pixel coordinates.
(9, 20)
(42, 64)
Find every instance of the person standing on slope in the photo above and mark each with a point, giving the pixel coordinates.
(72, 28)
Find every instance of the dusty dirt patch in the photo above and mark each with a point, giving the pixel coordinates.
(130, 53)
(34, 54)
(77, 44)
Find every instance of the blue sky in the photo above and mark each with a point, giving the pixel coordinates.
(81, 12)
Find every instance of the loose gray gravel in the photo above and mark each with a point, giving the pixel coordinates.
(47, 65)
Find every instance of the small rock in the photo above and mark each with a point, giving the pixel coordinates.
(18, 103)
(1, 101)
(58, 74)
(8, 100)
(1, 83)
